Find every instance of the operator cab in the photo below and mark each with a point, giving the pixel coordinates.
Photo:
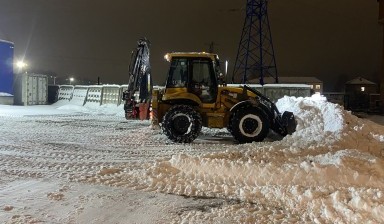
(197, 72)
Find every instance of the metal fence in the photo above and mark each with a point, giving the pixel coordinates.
(112, 94)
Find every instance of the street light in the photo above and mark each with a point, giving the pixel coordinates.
(226, 67)
(21, 65)
(71, 79)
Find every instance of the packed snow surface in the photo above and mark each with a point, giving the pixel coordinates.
(71, 164)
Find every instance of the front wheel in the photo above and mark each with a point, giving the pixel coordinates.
(249, 124)
(182, 124)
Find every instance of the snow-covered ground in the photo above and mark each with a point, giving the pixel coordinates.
(69, 164)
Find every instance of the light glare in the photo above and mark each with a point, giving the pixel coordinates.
(21, 64)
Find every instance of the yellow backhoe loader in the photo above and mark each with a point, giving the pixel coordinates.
(195, 95)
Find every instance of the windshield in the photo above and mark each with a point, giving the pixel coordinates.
(178, 73)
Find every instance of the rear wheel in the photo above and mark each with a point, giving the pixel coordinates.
(249, 124)
(182, 124)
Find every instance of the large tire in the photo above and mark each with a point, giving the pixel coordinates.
(249, 124)
(182, 124)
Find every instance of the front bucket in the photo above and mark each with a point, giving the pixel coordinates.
(289, 122)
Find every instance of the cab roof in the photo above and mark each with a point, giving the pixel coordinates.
(169, 56)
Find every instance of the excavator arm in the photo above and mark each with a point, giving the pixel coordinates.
(137, 97)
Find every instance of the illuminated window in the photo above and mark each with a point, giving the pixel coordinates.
(317, 86)
(362, 89)
(312, 86)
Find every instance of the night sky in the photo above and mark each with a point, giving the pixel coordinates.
(333, 40)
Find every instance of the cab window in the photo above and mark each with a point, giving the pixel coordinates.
(203, 80)
(178, 73)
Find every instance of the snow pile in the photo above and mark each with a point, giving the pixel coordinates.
(330, 170)
(95, 109)
(318, 122)
(61, 108)
(5, 94)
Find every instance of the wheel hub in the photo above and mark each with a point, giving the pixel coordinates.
(181, 124)
(250, 125)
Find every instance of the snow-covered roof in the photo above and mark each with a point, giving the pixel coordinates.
(110, 85)
(32, 75)
(289, 80)
(280, 85)
(6, 41)
(360, 81)
(81, 86)
(288, 85)
(239, 85)
(5, 94)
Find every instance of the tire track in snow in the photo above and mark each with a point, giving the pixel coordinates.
(76, 147)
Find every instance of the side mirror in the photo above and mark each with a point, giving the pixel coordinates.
(222, 79)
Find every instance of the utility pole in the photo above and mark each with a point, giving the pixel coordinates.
(381, 72)
(255, 57)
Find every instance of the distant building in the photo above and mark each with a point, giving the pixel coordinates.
(6, 72)
(315, 83)
(362, 95)
(360, 84)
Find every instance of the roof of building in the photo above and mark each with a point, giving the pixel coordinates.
(289, 80)
(360, 81)
(6, 41)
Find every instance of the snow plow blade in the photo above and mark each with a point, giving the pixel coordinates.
(289, 122)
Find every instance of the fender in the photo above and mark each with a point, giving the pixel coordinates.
(259, 106)
(182, 97)
(245, 102)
